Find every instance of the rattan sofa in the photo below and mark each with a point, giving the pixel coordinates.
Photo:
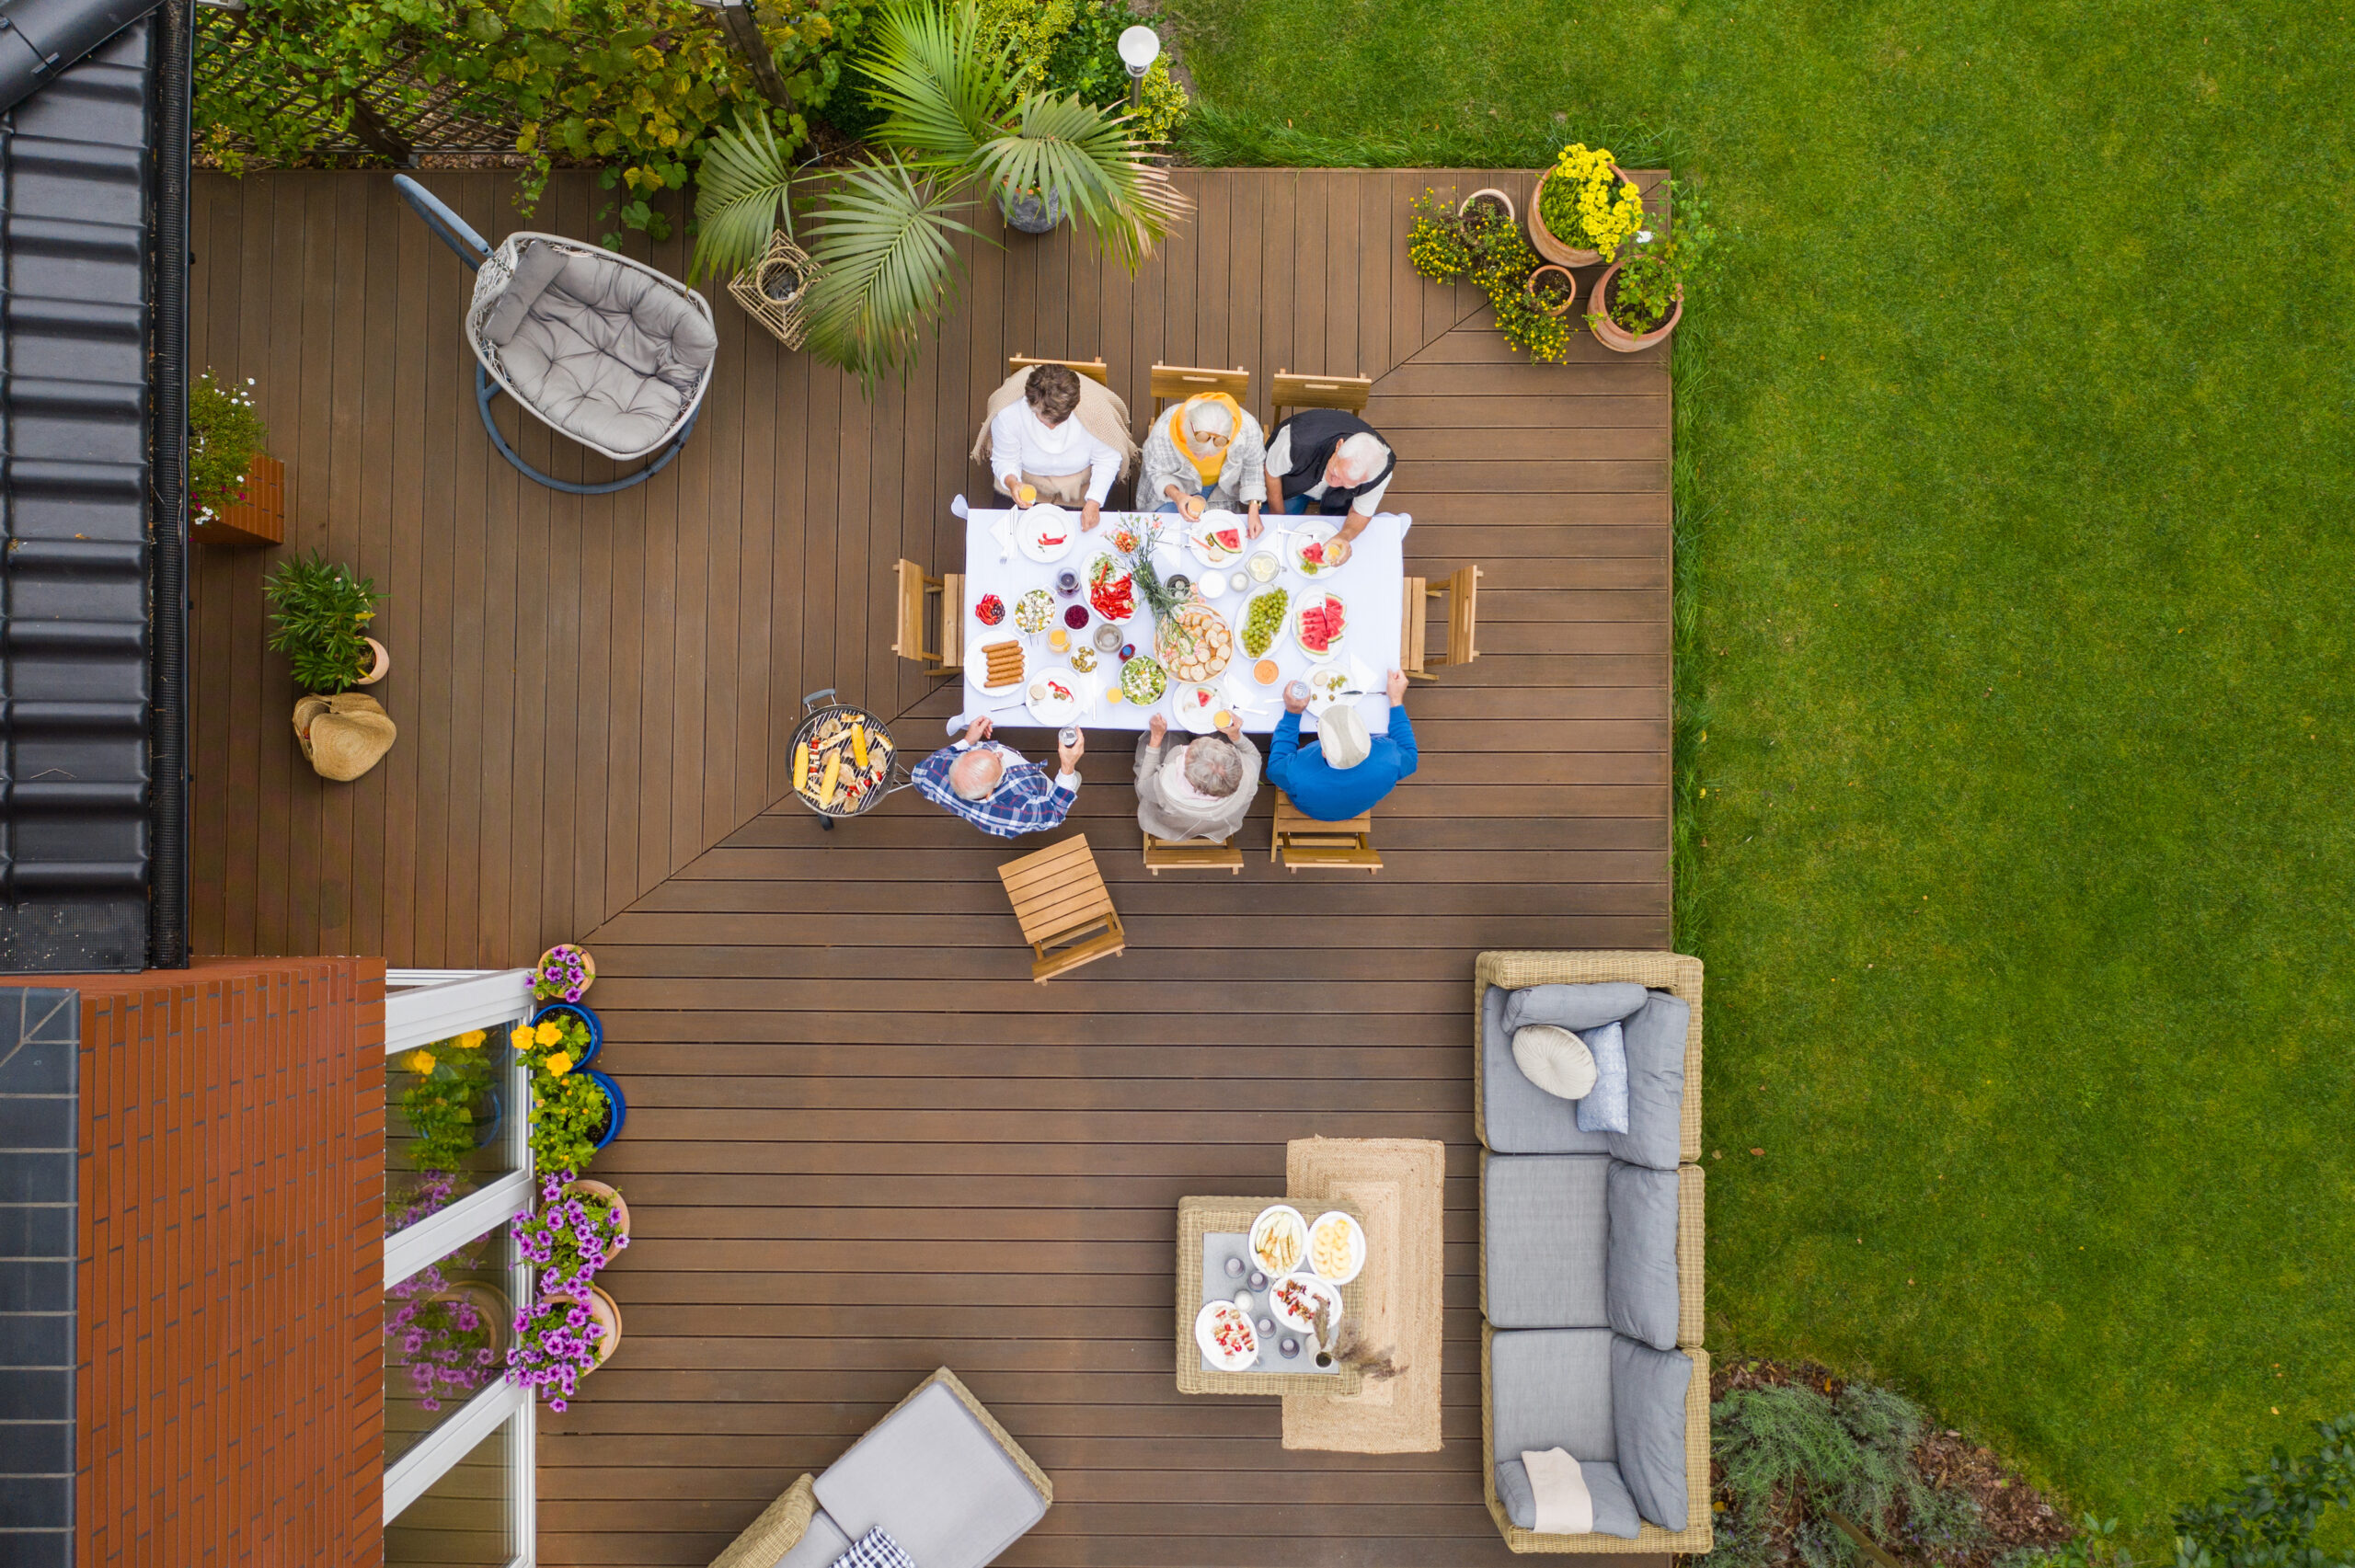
(1680, 976)
(964, 1503)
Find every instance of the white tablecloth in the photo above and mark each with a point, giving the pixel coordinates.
(1371, 582)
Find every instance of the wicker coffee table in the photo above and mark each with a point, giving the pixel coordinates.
(1199, 1218)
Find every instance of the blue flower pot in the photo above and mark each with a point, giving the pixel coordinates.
(596, 1030)
(613, 1098)
(490, 1115)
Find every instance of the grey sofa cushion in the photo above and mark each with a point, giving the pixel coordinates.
(1516, 1117)
(536, 264)
(1572, 1007)
(1551, 1389)
(1639, 1276)
(1604, 1108)
(607, 353)
(935, 1478)
(1647, 1427)
(1544, 1223)
(821, 1544)
(1614, 1511)
(1655, 1040)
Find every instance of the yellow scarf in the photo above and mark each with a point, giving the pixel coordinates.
(1211, 467)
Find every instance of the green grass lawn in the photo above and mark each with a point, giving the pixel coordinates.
(2017, 430)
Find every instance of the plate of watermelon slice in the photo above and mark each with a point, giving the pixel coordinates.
(1216, 538)
(1311, 550)
(1318, 624)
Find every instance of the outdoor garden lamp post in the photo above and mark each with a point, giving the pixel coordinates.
(1140, 47)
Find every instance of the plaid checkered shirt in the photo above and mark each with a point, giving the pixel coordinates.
(874, 1549)
(1025, 799)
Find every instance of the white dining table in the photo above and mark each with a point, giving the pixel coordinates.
(1372, 583)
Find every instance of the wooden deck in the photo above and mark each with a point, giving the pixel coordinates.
(862, 1143)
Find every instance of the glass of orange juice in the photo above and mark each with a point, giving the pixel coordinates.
(1059, 639)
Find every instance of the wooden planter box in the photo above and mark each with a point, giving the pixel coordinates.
(256, 521)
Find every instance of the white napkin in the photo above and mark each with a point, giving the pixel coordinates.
(1361, 678)
(1003, 532)
(1564, 1505)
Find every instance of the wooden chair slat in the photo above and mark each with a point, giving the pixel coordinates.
(1094, 368)
(1414, 629)
(1288, 393)
(952, 621)
(1172, 381)
(1191, 854)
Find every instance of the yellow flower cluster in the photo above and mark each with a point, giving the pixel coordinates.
(1600, 209)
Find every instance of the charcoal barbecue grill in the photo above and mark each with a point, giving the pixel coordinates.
(825, 728)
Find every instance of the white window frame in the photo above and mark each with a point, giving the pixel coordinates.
(422, 1006)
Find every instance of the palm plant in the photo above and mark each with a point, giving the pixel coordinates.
(882, 235)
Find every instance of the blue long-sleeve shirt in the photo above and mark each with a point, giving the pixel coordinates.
(1335, 795)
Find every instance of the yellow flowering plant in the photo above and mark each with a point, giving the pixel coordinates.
(1586, 205)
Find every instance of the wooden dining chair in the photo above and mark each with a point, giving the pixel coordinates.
(908, 638)
(1301, 840)
(1462, 593)
(1191, 854)
(1413, 627)
(1094, 368)
(1064, 908)
(1173, 383)
(1292, 392)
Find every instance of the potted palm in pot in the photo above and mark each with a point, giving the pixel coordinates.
(1640, 298)
(956, 120)
(1584, 209)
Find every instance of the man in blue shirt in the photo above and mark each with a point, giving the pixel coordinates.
(992, 787)
(1344, 771)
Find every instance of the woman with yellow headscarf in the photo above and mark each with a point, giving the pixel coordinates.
(1206, 454)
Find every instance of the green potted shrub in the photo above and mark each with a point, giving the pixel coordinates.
(322, 613)
(236, 492)
(448, 1099)
(1639, 298)
(1585, 208)
(576, 1110)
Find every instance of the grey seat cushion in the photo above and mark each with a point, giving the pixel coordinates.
(932, 1477)
(1648, 1427)
(604, 351)
(819, 1546)
(1551, 1389)
(1654, 1035)
(1516, 1117)
(1545, 1220)
(1639, 1291)
(1615, 1510)
(1572, 1007)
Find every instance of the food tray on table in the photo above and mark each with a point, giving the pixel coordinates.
(1208, 1229)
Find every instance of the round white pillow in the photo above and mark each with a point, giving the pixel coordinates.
(1554, 1059)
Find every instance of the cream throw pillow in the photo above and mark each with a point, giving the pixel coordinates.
(1554, 1059)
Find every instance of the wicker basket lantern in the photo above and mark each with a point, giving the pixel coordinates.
(772, 289)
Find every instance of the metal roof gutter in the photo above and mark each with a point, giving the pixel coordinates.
(168, 562)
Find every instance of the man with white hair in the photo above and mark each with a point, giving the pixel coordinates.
(1324, 459)
(1199, 790)
(995, 788)
(1345, 770)
(1209, 452)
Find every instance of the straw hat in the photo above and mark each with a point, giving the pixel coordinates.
(1340, 730)
(343, 736)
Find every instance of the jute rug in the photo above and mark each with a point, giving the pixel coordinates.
(1399, 1186)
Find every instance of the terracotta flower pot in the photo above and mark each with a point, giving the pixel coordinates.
(1612, 335)
(1556, 304)
(490, 1302)
(588, 964)
(603, 1311)
(381, 667)
(1498, 198)
(1543, 238)
(599, 1189)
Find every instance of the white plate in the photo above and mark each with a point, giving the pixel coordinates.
(1087, 591)
(1040, 602)
(1212, 1351)
(1301, 535)
(977, 664)
(1053, 712)
(1209, 551)
(1271, 1216)
(1303, 600)
(1325, 684)
(1356, 1248)
(1196, 706)
(1033, 528)
(1315, 1288)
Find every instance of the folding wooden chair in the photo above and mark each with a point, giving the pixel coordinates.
(1093, 368)
(907, 639)
(1462, 593)
(1065, 913)
(1301, 839)
(1191, 854)
(1347, 392)
(1171, 382)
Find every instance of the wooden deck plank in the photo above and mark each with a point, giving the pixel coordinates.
(865, 1142)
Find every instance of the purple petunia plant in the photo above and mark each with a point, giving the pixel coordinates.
(572, 1236)
(447, 1344)
(555, 1346)
(564, 973)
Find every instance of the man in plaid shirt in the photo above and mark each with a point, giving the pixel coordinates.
(994, 788)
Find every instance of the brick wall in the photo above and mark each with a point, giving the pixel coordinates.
(231, 1278)
(40, 1123)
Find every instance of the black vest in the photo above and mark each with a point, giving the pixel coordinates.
(1315, 433)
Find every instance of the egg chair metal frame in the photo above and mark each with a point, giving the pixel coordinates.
(493, 266)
